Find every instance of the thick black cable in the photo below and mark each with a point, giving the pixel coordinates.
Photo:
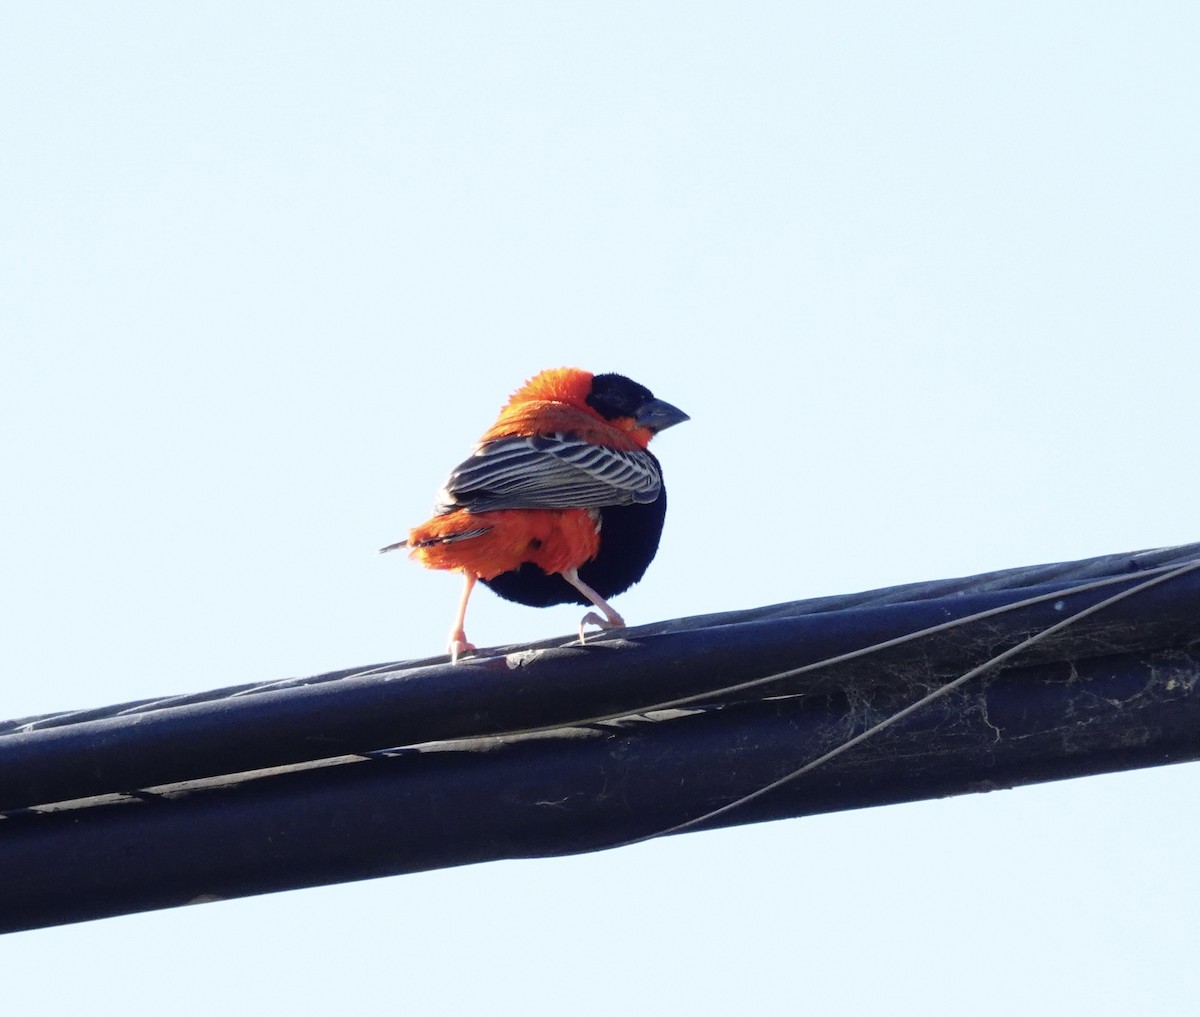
(556, 749)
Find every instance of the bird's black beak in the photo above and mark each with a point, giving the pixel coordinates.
(657, 415)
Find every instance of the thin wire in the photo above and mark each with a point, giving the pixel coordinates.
(909, 637)
(709, 695)
(912, 708)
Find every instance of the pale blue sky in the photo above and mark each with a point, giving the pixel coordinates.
(924, 279)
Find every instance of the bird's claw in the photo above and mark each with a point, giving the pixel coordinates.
(613, 621)
(458, 645)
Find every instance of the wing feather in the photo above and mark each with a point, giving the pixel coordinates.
(550, 471)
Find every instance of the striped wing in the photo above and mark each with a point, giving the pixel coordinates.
(553, 471)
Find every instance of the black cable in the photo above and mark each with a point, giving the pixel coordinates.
(554, 749)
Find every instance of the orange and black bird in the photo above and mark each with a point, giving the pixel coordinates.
(561, 502)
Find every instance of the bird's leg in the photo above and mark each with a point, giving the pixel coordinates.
(611, 619)
(458, 638)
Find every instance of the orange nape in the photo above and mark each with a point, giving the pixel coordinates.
(485, 544)
(556, 400)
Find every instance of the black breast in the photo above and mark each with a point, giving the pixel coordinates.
(629, 537)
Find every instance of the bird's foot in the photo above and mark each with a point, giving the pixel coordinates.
(458, 645)
(609, 620)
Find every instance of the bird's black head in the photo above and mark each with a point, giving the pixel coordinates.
(614, 396)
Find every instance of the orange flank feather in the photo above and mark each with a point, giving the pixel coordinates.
(551, 539)
(561, 500)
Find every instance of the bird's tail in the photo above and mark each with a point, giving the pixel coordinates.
(438, 538)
